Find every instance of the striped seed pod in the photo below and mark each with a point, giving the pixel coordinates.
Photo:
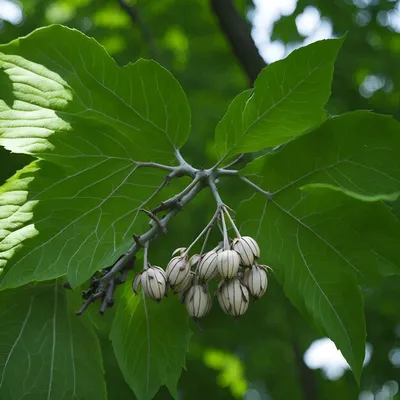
(179, 250)
(184, 285)
(154, 282)
(248, 250)
(228, 263)
(208, 268)
(198, 301)
(177, 270)
(194, 260)
(255, 278)
(233, 297)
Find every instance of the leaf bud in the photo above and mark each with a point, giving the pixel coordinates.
(154, 282)
(177, 270)
(248, 250)
(228, 263)
(198, 301)
(233, 297)
(208, 268)
(255, 278)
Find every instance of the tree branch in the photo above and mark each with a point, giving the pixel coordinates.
(238, 32)
(146, 237)
(306, 376)
(103, 286)
(136, 19)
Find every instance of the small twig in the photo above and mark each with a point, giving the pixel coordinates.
(108, 300)
(89, 301)
(214, 191)
(123, 277)
(174, 202)
(154, 217)
(167, 180)
(137, 240)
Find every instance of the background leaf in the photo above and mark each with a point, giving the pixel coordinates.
(287, 99)
(89, 121)
(150, 342)
(357, 151)
(317, 245)
(46, 351)
(321, 242)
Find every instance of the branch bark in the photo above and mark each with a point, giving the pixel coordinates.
(306, 375)
(238, 32)
(136, 19)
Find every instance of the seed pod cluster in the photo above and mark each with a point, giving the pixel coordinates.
(235, 264)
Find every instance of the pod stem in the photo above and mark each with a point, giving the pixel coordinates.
(204, 246)
(206, 230)
(145, 257)
(224, 230)
(232, 222)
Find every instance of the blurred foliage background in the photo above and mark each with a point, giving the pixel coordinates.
(266, 354)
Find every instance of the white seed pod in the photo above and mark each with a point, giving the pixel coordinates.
(228, 263)
(185, 285)
(179, 250)
(208, 268)
(198, 301)
(233, 297)
(177, 270)
(136, 283)
(194, 260)
(248, 250)
(154, 282)
(256, 280)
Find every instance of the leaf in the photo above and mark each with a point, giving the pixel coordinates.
(88, 121)
(358, 151)
(150, 342)
(287, 99)
(324, 240)
(47, 352)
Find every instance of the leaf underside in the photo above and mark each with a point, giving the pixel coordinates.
(89, 121)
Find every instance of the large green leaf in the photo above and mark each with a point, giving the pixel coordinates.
(357, 151)
(46, 351)
(287, 99)
(88, 120)
(314, 229)
(150, 342)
